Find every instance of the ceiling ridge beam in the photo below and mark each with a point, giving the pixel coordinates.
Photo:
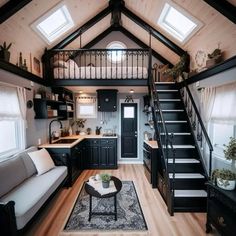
(143, 45)
(225, 8)
(83, 28)
(10, 8)
(155, 33)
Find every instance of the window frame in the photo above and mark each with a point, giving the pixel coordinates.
(217, 148)
(171, 30)
(110, 48)
(78, 105)
(60, 30)
(19, 136)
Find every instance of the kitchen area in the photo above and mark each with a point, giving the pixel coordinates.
(86, 132)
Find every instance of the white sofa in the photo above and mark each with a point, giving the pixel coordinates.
(22, 192)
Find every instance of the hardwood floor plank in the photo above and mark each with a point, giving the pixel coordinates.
(53, 219)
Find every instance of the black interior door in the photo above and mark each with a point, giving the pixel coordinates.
(128, 130)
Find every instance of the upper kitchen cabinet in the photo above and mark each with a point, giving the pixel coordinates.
(107, 100)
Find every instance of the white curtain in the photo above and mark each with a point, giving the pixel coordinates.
(9, 103)
(13, 107)
(21, 93)
(207, 102)
(224, 110)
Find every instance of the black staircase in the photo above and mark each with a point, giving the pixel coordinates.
(180, 133)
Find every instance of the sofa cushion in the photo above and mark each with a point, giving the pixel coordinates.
(32, 194)
(12, 173)
(42, 161)
(28, 163)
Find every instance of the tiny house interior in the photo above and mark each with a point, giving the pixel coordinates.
(138, 94)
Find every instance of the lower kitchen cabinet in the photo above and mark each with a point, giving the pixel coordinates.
(101, 153)
(221, 210)
(75, 160)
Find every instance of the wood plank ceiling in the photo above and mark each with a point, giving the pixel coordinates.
(217, 29)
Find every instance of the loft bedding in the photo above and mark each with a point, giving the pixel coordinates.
(70, 70)
(63, 64)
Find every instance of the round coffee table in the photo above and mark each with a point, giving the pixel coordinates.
(93, 193)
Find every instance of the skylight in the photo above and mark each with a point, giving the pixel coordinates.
(54, 23)
(178, 23)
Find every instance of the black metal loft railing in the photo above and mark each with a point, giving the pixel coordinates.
(97, 64)
(198, 127)
(165, 143)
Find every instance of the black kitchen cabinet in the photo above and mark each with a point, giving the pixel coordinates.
(75, 162)
(101, 153)
(108, 153)
(107, 100)
(221, 210)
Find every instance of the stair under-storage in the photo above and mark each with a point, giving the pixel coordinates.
(185, 169)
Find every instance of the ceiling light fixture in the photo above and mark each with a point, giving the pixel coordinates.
(131, 91)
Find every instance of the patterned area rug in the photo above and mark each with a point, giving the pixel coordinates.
(129, 217)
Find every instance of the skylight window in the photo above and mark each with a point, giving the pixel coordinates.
(54, 23)
(178, 23)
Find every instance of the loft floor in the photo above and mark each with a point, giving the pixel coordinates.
(160, 223)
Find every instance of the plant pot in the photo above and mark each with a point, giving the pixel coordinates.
(105, 184)
(225, 184)
(5, 55)
(77, 132)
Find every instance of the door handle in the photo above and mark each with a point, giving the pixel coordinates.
(135, 132)
(135, 135)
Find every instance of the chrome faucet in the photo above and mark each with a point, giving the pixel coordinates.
(50, 133)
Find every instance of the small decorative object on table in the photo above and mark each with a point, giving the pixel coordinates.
(105, 180)
(88, 131)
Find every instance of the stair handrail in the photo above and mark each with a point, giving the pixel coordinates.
(168, 141)
(203, 129)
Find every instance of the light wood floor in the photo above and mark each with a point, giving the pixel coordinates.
(160, 223)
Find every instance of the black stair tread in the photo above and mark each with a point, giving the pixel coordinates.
(190, 209)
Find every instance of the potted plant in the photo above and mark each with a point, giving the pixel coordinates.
(230, 151)
(79, 123)
(105, 180)
(224, 178)
(4, 51)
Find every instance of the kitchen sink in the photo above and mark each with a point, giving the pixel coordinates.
(66, 140)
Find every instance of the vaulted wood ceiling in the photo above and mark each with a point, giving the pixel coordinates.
(217, 28)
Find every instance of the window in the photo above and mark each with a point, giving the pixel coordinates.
(128, 112)
(54, 23)
(178, 22)
(218, 140)
(12, 135)
(116, 55)
(86, 107)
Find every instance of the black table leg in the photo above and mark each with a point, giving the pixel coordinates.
(115, 208)
(90, 207)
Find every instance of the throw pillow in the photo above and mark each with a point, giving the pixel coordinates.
(60, 64)
(42, 161)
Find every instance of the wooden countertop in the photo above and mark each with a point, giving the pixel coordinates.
(78, 138)
(152, 144)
